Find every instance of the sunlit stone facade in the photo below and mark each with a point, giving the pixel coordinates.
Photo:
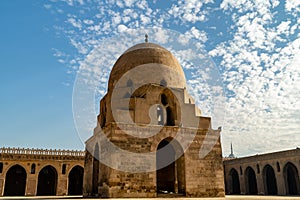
(34, 172)
(266, 174)
(161, 106)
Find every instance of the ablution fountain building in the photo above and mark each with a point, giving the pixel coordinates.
(150, 133)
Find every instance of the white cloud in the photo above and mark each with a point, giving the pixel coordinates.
(292, 4)
(258, 54)
(75, 23)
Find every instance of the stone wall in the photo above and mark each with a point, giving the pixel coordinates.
(33, 161)
(274, 173)
(201, 177)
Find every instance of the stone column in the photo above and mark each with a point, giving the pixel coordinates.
(62, 185)
(280, 183)
(31, 185)
(2, 186)
(260, 184)
(242, 183)
(176, 178)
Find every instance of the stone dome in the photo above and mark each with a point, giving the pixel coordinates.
(153, 54)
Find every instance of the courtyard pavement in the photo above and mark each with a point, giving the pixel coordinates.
(228, 197)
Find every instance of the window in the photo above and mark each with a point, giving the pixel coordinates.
(32, 170)
(163, 83)
(163, 99)
(1, 167)
(160, 115)
(241, 171)
(129, 83)
(63, 171)
(278, 167)
(257, 167)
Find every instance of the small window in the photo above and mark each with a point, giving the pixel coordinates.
(63, 171)
(127, 95)
(32, 170)
(163, 83)
(129, 83)
(241, 170)
(278, 167)
(257, 167)
(160, 115)
(1, 167)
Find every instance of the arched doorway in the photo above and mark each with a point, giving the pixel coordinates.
(270, 183)
(95, 170)
(75, 181)
(235, 182)
(47, 181)
(15, 181)
(170, 176)
(251, 184)
(291, 178)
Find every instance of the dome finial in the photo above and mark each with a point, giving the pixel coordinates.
(146, 37)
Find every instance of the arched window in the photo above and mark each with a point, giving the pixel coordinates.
(32, 169)
(278, 167)
(160, 115)
(63, 169)
(257, 168)
(241, 170)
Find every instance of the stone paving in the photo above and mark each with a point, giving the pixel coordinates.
(228, 197)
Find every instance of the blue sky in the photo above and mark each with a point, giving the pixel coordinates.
(254, 44)
(36, 106)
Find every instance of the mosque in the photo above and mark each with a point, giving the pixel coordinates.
(150, 141)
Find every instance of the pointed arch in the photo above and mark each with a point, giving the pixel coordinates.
(15, 181)
(250, 181)
(170, 164)
(234, 182)
(291, 178)
(75, 180)
(270, 182)
(47, 181)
